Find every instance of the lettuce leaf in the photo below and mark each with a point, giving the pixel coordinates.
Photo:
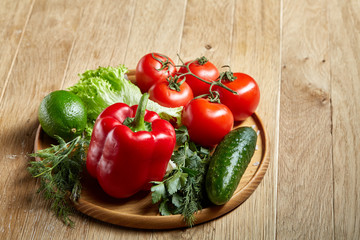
(105, 86)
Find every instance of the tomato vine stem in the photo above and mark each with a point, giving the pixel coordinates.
(164, 64)
(174, 83)
(218, 82)
(227, 75)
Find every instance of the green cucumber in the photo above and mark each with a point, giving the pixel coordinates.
(228, 163)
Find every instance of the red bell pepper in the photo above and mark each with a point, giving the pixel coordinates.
(129, 147)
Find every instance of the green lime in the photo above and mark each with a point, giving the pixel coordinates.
(62, 113)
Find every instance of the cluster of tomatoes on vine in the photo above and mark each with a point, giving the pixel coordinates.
(212, 100)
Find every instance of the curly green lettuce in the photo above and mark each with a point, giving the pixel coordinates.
(105, 86)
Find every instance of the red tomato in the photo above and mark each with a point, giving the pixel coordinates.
(203, 69)
(245, 103)
(151, 69)
(207, 122)
(161, 93)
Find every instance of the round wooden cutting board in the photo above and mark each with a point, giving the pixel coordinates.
(138, 210)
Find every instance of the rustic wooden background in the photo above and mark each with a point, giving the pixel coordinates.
(305, 56)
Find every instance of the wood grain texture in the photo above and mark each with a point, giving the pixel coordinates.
(255, 50)
(344, 22)
(165, 26)
(101, 39)
(305, 196)
(199, 39)
(13, 20)
(38, 69)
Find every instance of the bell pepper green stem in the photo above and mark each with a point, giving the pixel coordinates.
(139, 122)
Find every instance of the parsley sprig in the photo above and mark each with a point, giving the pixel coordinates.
(182, 189)
(59, 172)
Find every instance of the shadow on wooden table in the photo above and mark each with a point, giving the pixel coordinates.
(18, 143)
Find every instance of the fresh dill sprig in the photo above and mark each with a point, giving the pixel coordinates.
(59, 171)
(182, 189)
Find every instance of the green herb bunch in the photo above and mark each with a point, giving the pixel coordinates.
(182, 190)
(59, 171)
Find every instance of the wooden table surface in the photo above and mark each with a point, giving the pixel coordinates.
(305, 55)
